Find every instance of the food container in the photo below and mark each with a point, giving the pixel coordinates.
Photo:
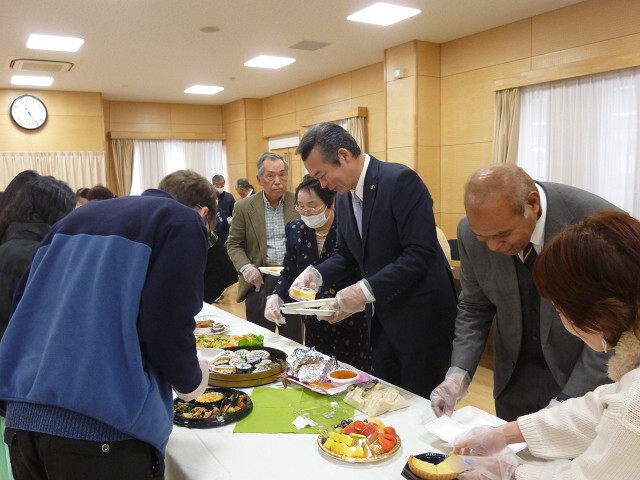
(343, 376)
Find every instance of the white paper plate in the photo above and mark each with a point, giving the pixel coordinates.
(275, 271)
(307, 311)
(210, 354)
(464, 419)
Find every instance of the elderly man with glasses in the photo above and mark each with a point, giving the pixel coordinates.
(257, 239)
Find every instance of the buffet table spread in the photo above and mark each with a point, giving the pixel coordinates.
(219, 453)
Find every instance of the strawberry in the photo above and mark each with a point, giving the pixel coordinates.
(390, 431)
(388, 437)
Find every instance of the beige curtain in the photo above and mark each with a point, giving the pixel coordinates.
(506, 126)
(78, 169)
(356, 127)
(123, 161)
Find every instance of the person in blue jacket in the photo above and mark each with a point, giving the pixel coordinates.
(101, 331)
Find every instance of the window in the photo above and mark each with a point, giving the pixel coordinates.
(584, 132)
(154, 159)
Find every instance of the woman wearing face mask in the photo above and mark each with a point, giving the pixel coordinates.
(310, 241)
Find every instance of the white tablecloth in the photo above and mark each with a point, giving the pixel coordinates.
(218, 453)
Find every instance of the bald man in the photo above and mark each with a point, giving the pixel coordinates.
(537, 362)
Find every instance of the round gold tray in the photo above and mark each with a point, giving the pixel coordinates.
(372, 458)
(250, 379)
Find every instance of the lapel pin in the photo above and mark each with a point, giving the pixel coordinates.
(373, 187)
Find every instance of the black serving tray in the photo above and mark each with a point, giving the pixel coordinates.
(214, 421)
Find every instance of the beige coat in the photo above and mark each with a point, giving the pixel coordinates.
(247, 242)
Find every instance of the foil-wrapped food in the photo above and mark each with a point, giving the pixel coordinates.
(309, 365)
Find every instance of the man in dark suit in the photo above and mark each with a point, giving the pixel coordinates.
(537, 362)
(226, 201)
(386, 229)
(257, 239)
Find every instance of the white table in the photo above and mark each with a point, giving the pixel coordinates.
(218, 453)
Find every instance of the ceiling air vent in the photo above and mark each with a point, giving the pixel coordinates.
(35, 65)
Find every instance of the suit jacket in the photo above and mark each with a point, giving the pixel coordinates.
(398, 254)
(247, 242)
(490, 288)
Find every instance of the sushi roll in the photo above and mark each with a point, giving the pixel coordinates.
(222, 361)
(244, 368)
(236, 361)
(254, 359)
(263, 353)
(226, 369)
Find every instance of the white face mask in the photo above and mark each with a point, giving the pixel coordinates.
(315, 221)
(219, 190)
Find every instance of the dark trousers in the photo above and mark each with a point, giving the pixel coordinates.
(255, 303)
(38, 456)
(419, 372)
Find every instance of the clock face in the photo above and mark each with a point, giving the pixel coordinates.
(28, 112)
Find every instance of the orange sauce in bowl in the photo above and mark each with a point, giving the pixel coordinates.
(343, 374)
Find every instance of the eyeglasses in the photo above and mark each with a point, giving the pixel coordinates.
(310, 211)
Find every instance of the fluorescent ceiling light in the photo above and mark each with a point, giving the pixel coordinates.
(32, 81)
(383, 14)
(267, 61)
(204, 89)
(54, 42)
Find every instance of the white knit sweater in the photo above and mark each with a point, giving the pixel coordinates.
(600, 431)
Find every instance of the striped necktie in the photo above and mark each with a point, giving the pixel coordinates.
(529, 256)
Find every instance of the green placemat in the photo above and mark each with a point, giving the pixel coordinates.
(274, 409)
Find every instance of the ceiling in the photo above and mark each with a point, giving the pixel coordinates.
(151, 50)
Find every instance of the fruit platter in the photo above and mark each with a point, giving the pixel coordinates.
(248, 366)
(359, 441)
(215, 407)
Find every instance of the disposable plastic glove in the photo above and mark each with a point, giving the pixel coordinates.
(496, 467)
(309, 278)
(253, 276)
(204, 383)
(272, 309)
(446, 396)
(485, 451)
(351, 299)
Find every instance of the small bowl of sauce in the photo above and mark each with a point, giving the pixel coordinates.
(343, 376)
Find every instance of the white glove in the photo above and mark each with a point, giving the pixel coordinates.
(253, 276)
(309, 278)
(351, 299)
(272, 309)
(446, 396)
(204, 367)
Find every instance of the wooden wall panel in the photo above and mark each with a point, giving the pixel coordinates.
(316, 113)
(404, 155)
(584, 23)
(468, 103)
(401, 113)
(403, 56)
(253, 108)
(491, 47)
(449, 224)
(428, 58)
(75, 122)
(458, 163)
(136, 113)
(367, 81)
(332, 90)
(233, 112)
(594, 51)
(256, 143)
(209, 115)
(279, 104)
(428, 110)
(274, 126)
(236, 143)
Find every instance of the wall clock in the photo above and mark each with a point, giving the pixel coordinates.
(28, 112)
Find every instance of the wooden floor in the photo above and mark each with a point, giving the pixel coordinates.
(480, 390)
